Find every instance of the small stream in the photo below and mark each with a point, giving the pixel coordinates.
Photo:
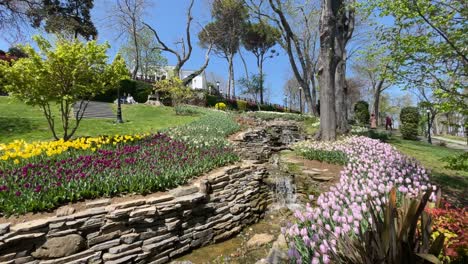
(235, 250)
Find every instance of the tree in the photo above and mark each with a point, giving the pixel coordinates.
(128, 14)
(186, 43)
(259, 38)
(327, 68)
(299, 38)
(70, 73)
(345, 21)
(14, 15)
(65, 17)
(252, 86)
(428, 44)
(176, 90)
(225, 32)
(149, 59)
(374, 68)
(17, 52)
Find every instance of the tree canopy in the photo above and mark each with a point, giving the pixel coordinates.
(67, 73)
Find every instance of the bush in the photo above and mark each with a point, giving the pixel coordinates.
(409, 118)
(221, 106)
(242, 105)
(139, 90)
(211, 100)
(361, 112)
(457, 162)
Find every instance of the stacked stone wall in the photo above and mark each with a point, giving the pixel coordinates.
(153, 229)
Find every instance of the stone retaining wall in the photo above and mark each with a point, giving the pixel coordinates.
(150, 230)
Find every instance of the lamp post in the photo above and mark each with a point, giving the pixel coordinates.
(119, 107)
(428, 127)
(217, 86)
(285, 103)
(300, 100)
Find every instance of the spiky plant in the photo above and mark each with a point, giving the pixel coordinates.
(399, 234)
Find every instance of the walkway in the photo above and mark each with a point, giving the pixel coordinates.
(97, 110)
(450, 143)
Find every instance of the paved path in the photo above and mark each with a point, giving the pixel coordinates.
(452, 143)
(97, 110)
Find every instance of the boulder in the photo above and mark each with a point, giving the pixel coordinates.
(259, 240)
(57, 247)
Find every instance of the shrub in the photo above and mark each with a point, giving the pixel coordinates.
(221, 106)
(211, 100)
(361, 112)
(409, 118)
(175, 89)
(138, 89)
(242, 105)
(457, 162)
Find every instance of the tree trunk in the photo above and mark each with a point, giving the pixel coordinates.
(137, 51)
(340, 98)
(327, 69)
(228, 91)
(376, 105)
(313, 102)
(260, 70)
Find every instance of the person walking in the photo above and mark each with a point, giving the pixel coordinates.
(373, 122)
(388, 123)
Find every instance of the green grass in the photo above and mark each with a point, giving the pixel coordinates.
(431, 157)
(21, 121)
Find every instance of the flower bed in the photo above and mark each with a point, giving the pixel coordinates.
(152, 163)
(372, 169)
(267, 115)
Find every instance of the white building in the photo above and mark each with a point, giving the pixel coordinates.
(198, 83)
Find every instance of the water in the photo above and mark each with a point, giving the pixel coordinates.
(284, 190)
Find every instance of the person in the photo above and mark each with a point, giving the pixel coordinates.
(130, 99)
(373, 122)
(388, 123)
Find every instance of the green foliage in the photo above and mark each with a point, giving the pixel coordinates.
(394, 236)
(71, 17)
(374, 134)
(241, 105)
(220, 106)
(333, 157)
(361, 113)
(258, 38)
(187, 110)
(457, 162)
(212, 100)
(427, 46)
(71, 72)
(175, 89)
(409, 118)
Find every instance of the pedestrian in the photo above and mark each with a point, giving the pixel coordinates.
(388, 123)
(373, 121)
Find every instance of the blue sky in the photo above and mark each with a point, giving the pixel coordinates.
(169, 18)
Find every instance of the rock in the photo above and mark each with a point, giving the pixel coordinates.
(57, 247)
(4, 228)
(259, 240)
(159, 199)
(322, 178)
(310, 172)
(181, 191)
(31, 225)
(277, 256)
(64, 211)
(98, 203)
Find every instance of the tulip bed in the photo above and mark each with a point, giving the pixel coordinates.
(372, 169)
(142, 165)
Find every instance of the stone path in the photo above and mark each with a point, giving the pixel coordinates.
(97, 110)
(458, 144)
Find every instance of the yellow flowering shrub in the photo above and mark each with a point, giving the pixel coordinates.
(20, 149)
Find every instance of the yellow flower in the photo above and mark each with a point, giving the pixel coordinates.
(16, 161)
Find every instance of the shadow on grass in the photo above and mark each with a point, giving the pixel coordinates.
(15, 125)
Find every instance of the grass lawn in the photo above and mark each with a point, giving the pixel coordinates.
(430, 157)
(453, 137)
(21, 121)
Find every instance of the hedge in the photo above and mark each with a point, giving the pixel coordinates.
(409, 118)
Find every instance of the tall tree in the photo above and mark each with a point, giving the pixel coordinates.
(66, 17)
(128, 14)
(299, 38)
(345, 27)
(259, 38)
(149, 59)
(225, 33)
(14, 15)
(186, 43)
